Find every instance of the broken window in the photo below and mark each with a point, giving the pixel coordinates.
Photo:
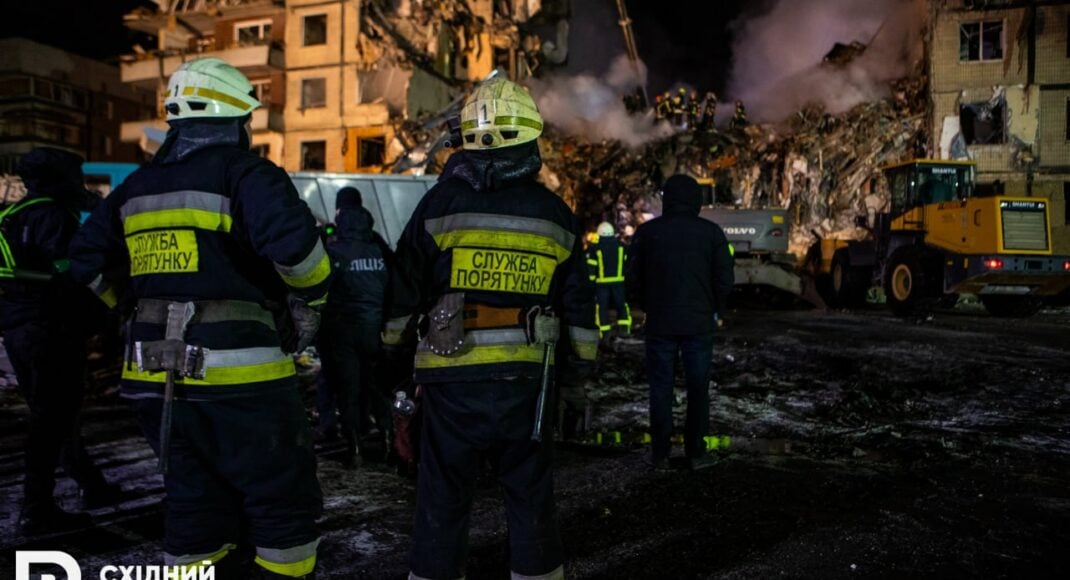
(313, 93)
(981, 41)
(252, 32)
(314, 155)
(984, 123)
(315, 29)
(371, 151)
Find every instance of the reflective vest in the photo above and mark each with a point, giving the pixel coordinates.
(606, 261)
(8, 267)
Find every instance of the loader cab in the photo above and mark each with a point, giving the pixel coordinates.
(923, 182)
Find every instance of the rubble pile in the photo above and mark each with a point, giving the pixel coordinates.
(825, 169)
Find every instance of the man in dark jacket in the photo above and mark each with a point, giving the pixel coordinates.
(681, 271)
(493, 261)
(45, 319)
(349, 336)
(214, 244)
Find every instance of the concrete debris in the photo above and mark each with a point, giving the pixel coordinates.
(825, 169)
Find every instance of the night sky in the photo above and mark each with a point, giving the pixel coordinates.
(680, 40)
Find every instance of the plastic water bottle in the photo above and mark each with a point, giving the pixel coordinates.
(403, 404)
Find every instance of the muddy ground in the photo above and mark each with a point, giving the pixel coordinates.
(861, 446)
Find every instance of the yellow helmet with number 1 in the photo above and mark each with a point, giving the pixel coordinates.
(499, 113)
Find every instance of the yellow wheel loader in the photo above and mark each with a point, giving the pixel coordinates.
(938, 240)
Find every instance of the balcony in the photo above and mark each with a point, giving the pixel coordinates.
(150, 133)
(252, 59)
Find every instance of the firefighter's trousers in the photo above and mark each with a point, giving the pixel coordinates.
(466, 425)
(611, 296)
(239, 460)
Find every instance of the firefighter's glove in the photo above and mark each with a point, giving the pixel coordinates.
(306, 321)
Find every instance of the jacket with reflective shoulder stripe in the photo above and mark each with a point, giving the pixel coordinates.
(218, 226)
(606, 259)
(507, 249)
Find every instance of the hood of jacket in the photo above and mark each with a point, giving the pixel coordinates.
(492, 169)
(355, 223)
(188, 136)
(56, 174)
(681, 195)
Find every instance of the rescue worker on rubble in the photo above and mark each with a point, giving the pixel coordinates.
(606, 259)
(224, 267)
(709, 112)
(492, 262)
(692, 111)
(349, 336)
(681, 272)
(46, 319)
(659, 110)
(739, 118)
(665, 106)
(679, 108)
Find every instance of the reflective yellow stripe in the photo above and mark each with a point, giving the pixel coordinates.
(731, 250)
(292, 569)
(177, 218)
(482, 355)
(219, 376)
(584, 342)
(313, 269)
(516, 120)
(503, 240)
(217, 96)
(602, 279)
(109, 298)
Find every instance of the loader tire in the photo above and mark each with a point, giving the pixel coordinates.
(912, 284)
(1011, 306)
(849, 284)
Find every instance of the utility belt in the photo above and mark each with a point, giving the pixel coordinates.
(197, 362)
(451, 325)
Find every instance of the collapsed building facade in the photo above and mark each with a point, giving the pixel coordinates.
(1000, 86)
(339, 77)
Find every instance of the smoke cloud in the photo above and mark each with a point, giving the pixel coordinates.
(592, 107)
(777, 64)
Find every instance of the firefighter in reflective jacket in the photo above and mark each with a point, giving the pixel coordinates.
(606, 260)
(224, 265)
(492, 262)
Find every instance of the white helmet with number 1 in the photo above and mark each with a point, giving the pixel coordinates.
(208, 87)
(499, 113)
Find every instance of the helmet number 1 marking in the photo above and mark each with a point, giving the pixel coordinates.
(483, 115)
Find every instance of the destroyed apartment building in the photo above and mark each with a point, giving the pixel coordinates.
(992, 85)
(338, 78)
(1000, 92)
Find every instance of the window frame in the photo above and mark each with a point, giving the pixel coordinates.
(301, 150)
(304, 29)
(980, 41)
(305, 106)
(259, 23)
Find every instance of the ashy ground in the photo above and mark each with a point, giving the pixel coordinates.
(861, 445)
